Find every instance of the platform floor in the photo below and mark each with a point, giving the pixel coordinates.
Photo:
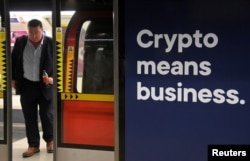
(19, 146)
(19, 137)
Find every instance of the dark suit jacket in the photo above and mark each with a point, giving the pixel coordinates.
(46, 63)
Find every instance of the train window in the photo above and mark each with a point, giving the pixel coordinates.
(95, 58)
(80, 56)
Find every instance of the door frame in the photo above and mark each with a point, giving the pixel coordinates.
(6, 143)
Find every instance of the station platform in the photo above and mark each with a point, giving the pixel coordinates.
(19, 137)
(19, 146)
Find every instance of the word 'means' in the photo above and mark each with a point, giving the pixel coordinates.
(146, 39)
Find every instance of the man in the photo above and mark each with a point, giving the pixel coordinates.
(31, 56)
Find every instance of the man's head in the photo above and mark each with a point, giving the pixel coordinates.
(35, 29)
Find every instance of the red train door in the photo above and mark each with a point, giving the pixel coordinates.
(86, 100)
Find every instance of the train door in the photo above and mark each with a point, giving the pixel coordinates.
(86, 97)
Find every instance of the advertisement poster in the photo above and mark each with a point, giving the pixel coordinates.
(187, 80)
(15, 34)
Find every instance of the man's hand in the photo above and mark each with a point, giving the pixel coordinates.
(47, 80)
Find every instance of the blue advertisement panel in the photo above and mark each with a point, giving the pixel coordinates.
(187, 79)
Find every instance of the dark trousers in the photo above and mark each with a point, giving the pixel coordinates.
(34, 103)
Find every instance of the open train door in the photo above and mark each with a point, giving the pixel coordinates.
(86, 99)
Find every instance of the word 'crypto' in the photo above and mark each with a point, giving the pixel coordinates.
(146, 39)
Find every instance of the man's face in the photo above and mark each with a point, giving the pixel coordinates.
(35, 34)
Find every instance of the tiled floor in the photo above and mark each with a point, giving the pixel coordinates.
(20, 146)
(20, 142)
